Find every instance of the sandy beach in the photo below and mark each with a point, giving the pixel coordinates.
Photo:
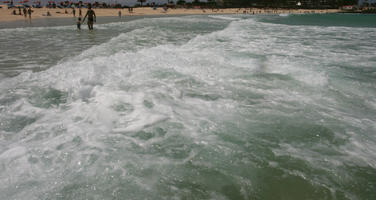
(7, 16)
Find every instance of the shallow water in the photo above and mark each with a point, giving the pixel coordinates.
(193, 107)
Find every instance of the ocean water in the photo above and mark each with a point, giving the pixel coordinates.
(190, 107)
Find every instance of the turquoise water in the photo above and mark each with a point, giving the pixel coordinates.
(190, 107)
(344, 19)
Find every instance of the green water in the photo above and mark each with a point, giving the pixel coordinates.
(191, 107)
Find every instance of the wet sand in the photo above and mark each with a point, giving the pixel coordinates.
(40, 13)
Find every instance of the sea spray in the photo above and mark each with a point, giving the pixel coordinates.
(196, 107)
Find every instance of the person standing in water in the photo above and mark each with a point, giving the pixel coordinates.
(91, 18)
(24, 12)
(79, 23)
(29, 11)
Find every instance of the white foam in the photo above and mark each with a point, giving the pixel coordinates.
(223, 17)
(283, 15)
(360, 151)
(13, 153)
(140, 122)
(111, 89)
(28, 29)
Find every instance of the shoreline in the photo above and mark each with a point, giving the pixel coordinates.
(40, 13)
(65, 21)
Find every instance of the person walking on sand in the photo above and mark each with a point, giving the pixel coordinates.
(91, 18)
(74, 12)
(119, 13)
(80, 12)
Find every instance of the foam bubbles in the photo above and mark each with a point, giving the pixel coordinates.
(162, 107)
